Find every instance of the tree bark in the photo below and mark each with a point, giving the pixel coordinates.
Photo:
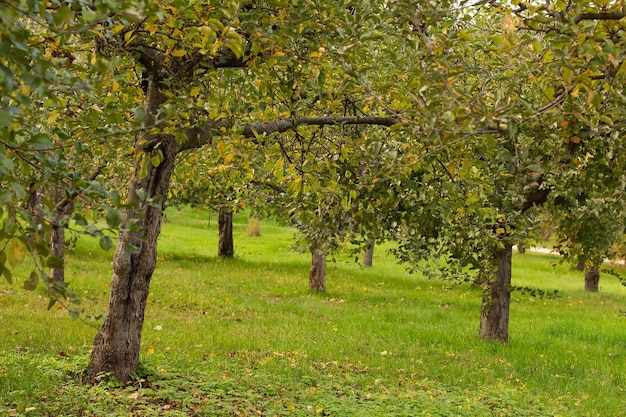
(225, 225)
(592, 278)
(116, 345)
(317, 274)
(57, 236)
(368, 257)
(494, 317)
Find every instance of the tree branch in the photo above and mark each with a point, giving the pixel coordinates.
(200, 136)
(599, 16)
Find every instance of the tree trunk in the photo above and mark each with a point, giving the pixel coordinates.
(116, 345)
(592, 278)
(581, 265)
(57, 237)
(494, 317)
(225, 226)
(317, 274)
(368, 257)
(254, 227)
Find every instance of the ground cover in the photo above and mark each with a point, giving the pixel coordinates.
(245, 337)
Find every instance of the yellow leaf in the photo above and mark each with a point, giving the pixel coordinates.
(53, 116)
(153, 29)
(229, 157)
(150, 350)
(129, 36)
(117, 29)
(179, 52)
(15, 253)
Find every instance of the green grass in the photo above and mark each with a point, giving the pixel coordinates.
(245, 337)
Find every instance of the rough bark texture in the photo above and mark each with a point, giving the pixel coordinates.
(368, 257)
(494, 317)
(226, 246)
(317, 274)
(116, 345)
(592, 278)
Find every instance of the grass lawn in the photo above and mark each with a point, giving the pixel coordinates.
(244, 337)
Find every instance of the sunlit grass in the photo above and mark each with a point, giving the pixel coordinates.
(246, 332)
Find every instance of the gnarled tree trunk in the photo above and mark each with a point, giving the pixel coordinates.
(494, 316)
(116, 345)
(592, 278)
(225, 246)
(317, 274)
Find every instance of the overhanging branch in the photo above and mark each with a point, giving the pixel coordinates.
(599, 16)
(200, 136)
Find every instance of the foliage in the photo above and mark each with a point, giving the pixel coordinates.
(54, 119)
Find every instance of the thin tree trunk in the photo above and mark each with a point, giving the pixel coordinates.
(580, 265)
(494, 317)
(116, 345)
(317, 274)
(57, 237)
(368, 257)
(226, 246)
(254, 227)
(592, 278)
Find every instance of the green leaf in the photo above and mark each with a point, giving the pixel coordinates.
(5, 196)
(63, 15)
(143, 167)
(19, 190)
(106, 242)
(31, 283)
(535, 168)
(157, 159)
(114, 218)
(41, 142)
(5, 119)
(54, 262)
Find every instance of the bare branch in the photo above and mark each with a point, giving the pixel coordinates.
(600, 16)
(200, 136)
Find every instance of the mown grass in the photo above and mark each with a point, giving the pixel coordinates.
(245, 337)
